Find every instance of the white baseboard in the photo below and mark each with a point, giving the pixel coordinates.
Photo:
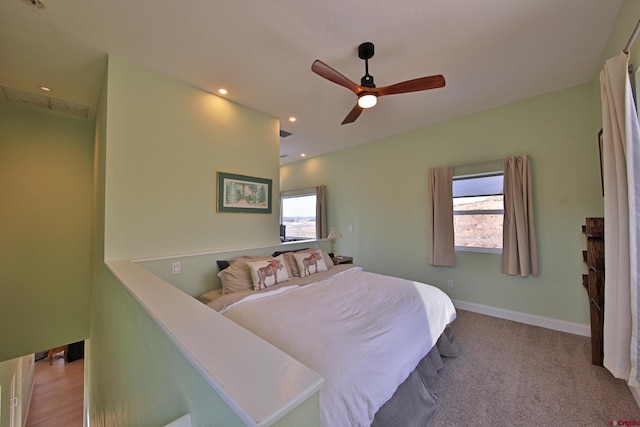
(529, 319)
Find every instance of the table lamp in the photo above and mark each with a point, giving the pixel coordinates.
(333, 235)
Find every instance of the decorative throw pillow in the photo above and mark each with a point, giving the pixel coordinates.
(237, 277)
(292, 263)
(265, 273)
(310, 262)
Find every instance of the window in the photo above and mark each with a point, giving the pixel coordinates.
(478, 212)
(298, 215)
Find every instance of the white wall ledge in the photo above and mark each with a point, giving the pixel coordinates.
(213, 350)
(284, 245)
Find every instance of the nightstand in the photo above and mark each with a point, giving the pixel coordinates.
(342, 260)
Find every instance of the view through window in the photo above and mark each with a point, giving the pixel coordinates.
(299, 216)
(478, 212)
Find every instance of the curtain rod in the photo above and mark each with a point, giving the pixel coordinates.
(632, 38)
(486, 162)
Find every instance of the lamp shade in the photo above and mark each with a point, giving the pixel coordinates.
(334, 233)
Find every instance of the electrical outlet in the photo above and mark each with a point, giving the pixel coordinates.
(450, 283)
(176, 267)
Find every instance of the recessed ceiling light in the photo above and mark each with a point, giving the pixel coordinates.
(45, 88)
(223, 91)
(292, 119)
(303, 155)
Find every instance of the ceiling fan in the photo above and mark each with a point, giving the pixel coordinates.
(367, 91)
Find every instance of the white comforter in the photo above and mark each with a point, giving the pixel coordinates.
(363, 332)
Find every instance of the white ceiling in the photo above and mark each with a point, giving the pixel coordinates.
(491, 52)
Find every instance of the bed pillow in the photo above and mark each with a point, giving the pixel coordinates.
(237, 277)
(292, 262)
(327, 259)
(268, 272)
(277, 253)
(310, 262)
(209, 296)
(222, 264)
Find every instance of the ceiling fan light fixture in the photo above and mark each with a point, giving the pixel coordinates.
(367, 100)
(366, 91)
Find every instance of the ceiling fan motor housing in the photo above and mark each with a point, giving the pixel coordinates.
(367, 81)
(366, 51)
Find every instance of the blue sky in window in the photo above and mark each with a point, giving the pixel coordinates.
(303, 206)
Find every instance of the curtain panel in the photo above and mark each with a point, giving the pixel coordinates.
(621, 169)
(321, 211)
(519, 246)
(442, 245)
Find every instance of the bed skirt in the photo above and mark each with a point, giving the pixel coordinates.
(414, 404)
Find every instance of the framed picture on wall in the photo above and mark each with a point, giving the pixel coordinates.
(241, 193)
(600, 151)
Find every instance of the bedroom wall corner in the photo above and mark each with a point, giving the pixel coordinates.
(388, 210)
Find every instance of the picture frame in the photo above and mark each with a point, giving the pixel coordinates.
(242, 193)
(600, 152)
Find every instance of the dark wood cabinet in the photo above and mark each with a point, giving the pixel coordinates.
(75, 351)
(593, 281)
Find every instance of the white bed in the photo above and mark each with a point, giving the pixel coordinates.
(365, 333)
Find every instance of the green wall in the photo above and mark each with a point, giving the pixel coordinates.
(45, 188)
(380, 189)
(165, 142)
(199, 272)
(159, 144)
(137, 375)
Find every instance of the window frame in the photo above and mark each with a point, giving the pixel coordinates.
(479, 211)
(304, 192)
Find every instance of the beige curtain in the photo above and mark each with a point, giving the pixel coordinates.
(519, 247)
(621, 167)
(442, 249)
(321, 211)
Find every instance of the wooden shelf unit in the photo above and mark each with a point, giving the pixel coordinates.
(593, 281)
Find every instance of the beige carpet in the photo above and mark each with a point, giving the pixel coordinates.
(511, 374)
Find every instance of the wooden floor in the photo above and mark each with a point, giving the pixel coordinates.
(58, 394)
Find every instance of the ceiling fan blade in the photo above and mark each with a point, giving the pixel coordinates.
(323, 70)
(353, 115)
(415, 85)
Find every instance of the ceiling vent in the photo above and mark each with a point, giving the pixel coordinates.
(284, 133)
(43, 101)
(36, 4)
(283, 156)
